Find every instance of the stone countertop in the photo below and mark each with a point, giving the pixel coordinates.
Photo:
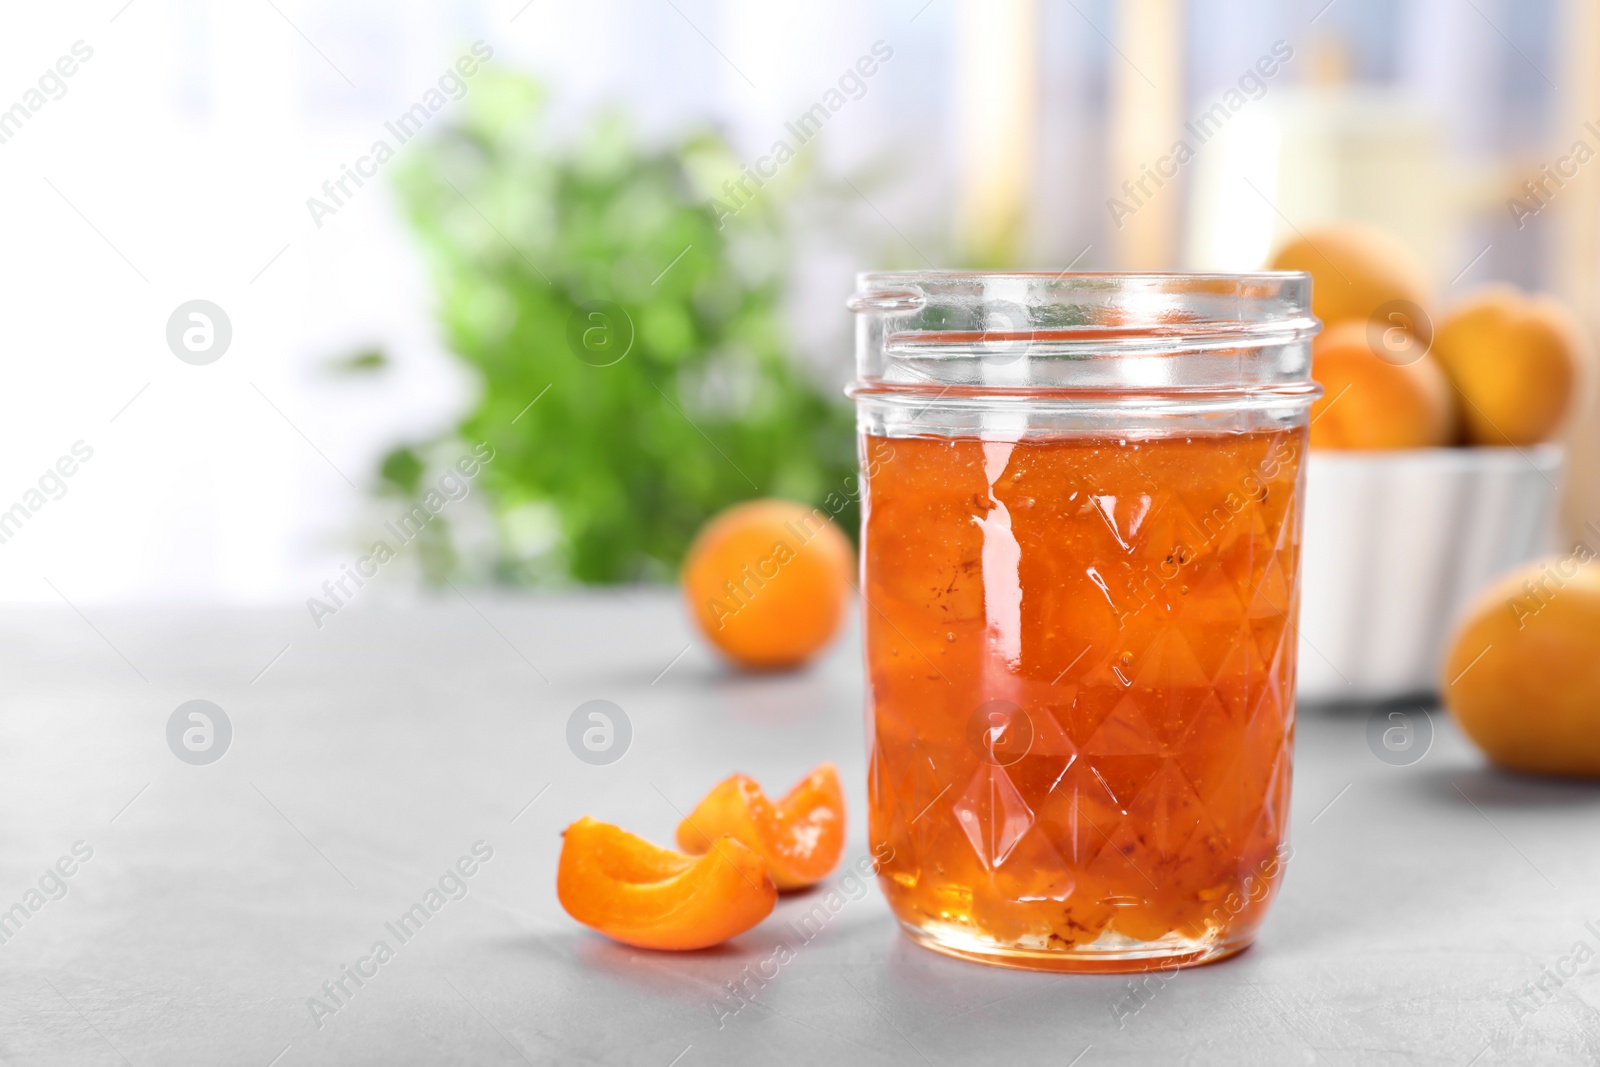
(206, 904)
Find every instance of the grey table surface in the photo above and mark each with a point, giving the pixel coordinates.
(368, 756)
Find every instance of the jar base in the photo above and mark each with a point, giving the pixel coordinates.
(1104, 956)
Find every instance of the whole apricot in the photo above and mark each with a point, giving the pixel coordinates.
(1355, 270)
(1515, 360)
(1523, 674)
(768, 581)
(1369, 402)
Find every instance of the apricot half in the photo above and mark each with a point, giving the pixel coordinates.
(1369, 402)
(768, 581)
(640, 894)
(1523, 674)
(1515, 361)
(800, 836)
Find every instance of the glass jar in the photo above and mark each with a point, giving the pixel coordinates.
(1081, 513)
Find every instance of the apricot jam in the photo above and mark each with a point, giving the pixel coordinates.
(1080, 507)
(1081, 668)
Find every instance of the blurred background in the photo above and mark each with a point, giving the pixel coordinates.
(611, 242)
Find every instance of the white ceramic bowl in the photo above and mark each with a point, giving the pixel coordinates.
(1396, 544)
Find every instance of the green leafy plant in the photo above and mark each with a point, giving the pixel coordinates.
(635, 371)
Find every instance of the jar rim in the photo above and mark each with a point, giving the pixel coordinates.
(944, 272)
(1201, 296)
(1064, 313)
(1135, 332)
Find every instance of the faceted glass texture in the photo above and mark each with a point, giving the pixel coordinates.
(1081, 663)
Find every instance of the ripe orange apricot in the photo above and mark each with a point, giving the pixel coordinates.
(767, 582)
(1523, 674)
(1515, 361)
(801, 836)
(1355, 269)
(1371, 403)
(644, 895)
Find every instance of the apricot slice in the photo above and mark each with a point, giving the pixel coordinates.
(800, 837)
(641, 894)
